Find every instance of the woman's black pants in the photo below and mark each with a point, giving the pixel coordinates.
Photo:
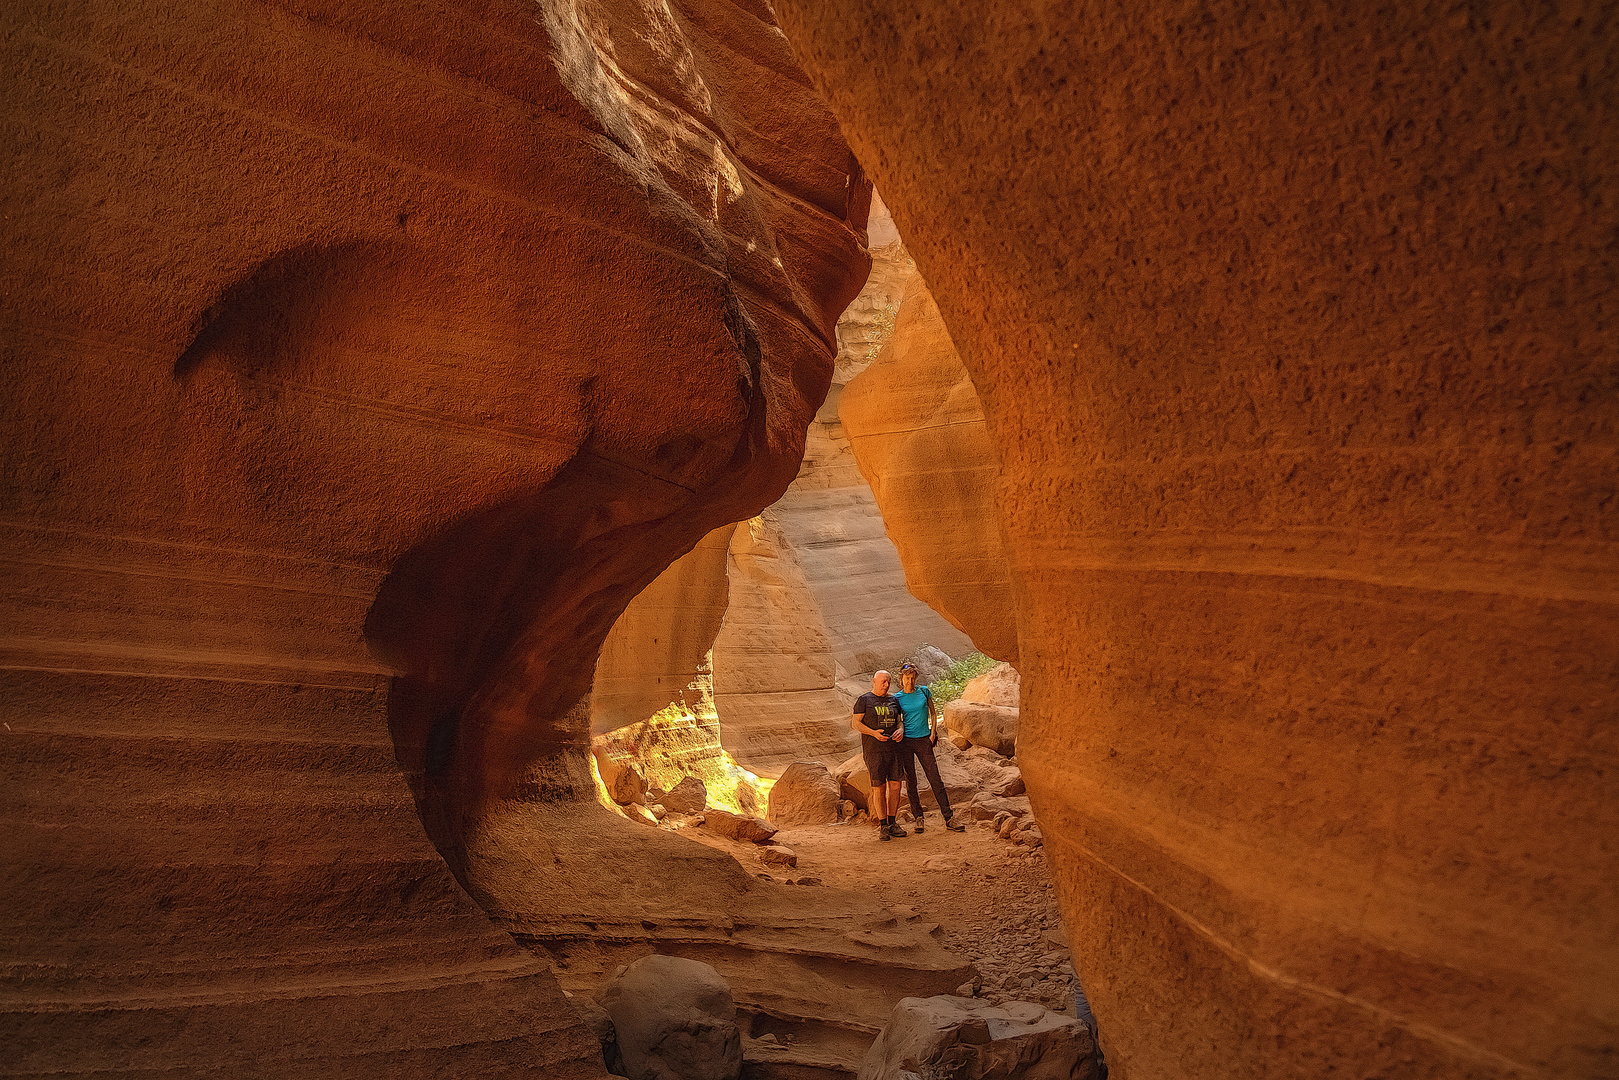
(909, 751)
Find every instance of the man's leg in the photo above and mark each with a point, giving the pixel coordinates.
(893, 805)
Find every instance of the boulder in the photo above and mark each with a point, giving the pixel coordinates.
(983, 806)
(624, 780)
(674, 1020)
(997, 686)
(854, 783)
(688, 797)
(931, 662)
(806, 794)
(749, 830)
(637, 812)
(1009, 782)
(965, 1038)
(994, 726)
(778, 855)
(1031, 837)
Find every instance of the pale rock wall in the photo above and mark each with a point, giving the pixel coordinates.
(917, 429)
(830, 515)
(659, 647)
(1292, 326)
(775, 678)
(817, 589)
(494, 310)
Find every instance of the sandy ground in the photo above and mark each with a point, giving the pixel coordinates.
(992, 900)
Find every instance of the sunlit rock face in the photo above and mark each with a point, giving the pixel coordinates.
(1291, 329)
(917, 430)
(657, 653)
(484, 314)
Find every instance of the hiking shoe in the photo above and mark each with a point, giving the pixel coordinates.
(950, 823)
(920, 827)
(882, 834)
(895, 830)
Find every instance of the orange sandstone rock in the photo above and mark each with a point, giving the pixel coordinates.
(1292, 328)
(918, 433)
(485, 313)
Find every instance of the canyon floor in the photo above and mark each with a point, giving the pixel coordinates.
(982, 898)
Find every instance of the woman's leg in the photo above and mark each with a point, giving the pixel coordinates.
(930, 765)
(908, 760)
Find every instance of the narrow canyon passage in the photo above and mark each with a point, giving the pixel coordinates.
(389, 385)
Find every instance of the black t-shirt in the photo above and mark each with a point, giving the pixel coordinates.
(880, 712)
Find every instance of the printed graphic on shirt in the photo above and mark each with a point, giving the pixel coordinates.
(880, 712)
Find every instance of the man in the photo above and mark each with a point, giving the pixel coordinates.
(877, 719)
(920, 719)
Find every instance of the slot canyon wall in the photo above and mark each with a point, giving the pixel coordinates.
(811, 598)
(917, 431)
(362, 363)
(1293, 327)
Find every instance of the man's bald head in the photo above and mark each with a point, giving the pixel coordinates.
(880, 682)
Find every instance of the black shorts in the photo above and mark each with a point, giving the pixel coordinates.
(882, 759)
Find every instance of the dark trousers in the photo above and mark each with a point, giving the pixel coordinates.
(909, 751)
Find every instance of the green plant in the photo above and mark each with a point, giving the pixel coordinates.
(948, 687)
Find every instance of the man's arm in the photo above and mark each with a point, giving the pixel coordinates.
(858, 723)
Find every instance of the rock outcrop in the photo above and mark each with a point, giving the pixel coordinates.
(1293, 332)
(818, 596)
(804, 794)
(967, 1039)
(775, 683)
(657, 653)
(674, 1020)
(449, 326)
(918, 433)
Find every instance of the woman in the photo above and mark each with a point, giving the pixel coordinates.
(921, 734)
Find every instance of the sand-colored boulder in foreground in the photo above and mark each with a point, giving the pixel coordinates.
(1293, 331)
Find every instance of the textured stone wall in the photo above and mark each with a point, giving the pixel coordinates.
(775, 668)
(917, 431)
(347, 342)
(1293, 327)
(659, 646)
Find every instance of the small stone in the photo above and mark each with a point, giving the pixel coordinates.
(767, 1037)
(688, 797)
(777, 855)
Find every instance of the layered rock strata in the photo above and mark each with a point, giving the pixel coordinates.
(657, 653)
(1292, 329)
(776, 673)
(917, 430)
(818, 597)
(483, 313)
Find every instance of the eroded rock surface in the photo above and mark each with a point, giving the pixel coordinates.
(917, 430)
(1292, 330)
(967, 1039)
(494, 310)
(776, 670)
(674, 1020)
(805, 794)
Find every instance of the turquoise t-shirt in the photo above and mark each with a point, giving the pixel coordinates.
(915, 707)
